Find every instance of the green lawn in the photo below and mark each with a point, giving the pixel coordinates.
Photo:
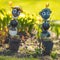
(34, 6)
(14, 58)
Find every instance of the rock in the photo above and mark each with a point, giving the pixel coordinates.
(56, 41)
(30, 48)
(52, 35)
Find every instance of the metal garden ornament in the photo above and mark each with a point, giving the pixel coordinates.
(46, 42)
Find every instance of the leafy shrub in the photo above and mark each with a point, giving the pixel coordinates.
(54, 55)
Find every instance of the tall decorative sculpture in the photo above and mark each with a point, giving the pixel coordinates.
(14, 40)
(13, 24)
(46, 41)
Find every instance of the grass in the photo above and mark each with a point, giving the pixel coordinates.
(35, 6)
(14, 58)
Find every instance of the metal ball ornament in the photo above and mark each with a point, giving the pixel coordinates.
(16, 11)
(45, 13)
(45, 25)
(14, 23)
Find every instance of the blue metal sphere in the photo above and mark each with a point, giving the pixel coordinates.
(13, 23)
(45, 25)
(16, 11)
(45, 13)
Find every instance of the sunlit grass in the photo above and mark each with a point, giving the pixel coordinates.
(35, 6)
(15, 58)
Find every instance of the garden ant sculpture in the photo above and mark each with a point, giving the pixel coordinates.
(14, 23)
(46, 42)
(13, 39)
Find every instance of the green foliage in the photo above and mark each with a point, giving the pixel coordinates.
(4, 19)
(38, 51)
(55, 27)
(26, 22)
(15, 58)
(54, 55)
